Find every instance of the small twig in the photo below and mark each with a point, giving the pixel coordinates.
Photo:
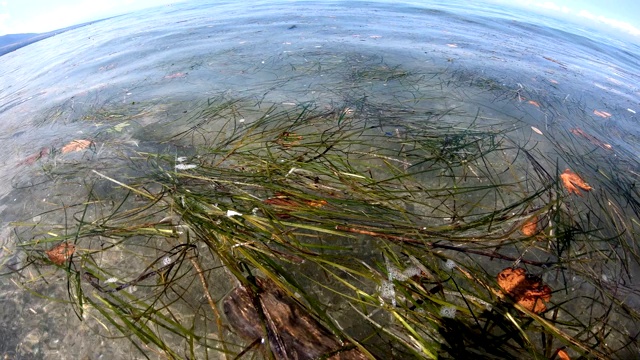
(141, 193)
(212, 303)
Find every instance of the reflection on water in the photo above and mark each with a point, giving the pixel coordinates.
(501, 105)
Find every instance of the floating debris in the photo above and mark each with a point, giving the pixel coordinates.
(60, 253)
(526, 290)
(176, 75)
(572, 182)
(76, 145)
(562, 355)
(31, 159)
(591, 138)
(185, 166)
(530, 227)
(232, 213)
(602, 114)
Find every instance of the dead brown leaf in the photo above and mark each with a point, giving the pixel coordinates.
(60, 253)
(287, 202)
(287, 139)
(76, 145)
(281, 201)
(526, 290)
(530, 227)
(35, 157)
(572, 182)
(555, 61)
(284, 201)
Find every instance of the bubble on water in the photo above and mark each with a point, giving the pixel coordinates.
(448, 312)
(450, 264)
(394, 273)
(387, 290)
(412, 271)
(185, 166)
(166, 261)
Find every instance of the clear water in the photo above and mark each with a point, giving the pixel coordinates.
(123, 82)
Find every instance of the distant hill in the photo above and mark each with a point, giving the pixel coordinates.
(14, 38)
(12, 42)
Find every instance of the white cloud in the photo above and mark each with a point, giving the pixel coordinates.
(553, 6)
(4, 19)
(617, 24)
(78, 12)
(60, 17)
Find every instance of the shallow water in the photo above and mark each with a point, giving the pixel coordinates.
(130, 82)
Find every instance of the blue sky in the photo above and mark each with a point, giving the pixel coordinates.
(25, 16)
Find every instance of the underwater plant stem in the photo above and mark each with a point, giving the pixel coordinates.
(441, 246)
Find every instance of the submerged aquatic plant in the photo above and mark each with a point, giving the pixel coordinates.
(383, 236)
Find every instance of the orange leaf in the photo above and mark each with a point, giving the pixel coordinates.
(76, 145)
(526, 290)
(316, 203)
(530, 227)
(572, 182)
(534, 103)
(61, 253)
(602, 114)
(592, 139)
(562, 355)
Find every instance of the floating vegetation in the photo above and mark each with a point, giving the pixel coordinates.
(313, 232)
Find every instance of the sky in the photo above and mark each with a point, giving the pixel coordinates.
(38, 16)
(615, 15)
